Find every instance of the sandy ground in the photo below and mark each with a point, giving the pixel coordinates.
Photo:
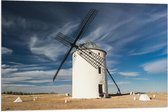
(57, 101)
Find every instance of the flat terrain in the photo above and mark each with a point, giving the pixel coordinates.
(57, 101)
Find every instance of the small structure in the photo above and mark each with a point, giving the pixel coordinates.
(132, 93)
(144, 97)
(67, 100)
(18, 100)
(67, 94)
(34, 98)
(154, 96)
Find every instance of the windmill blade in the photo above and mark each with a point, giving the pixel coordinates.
(64, 39)
(67, 41)
(87, 20)
(71, 42)
(88, 58)
(119, 92)
(66, 56)
(63, 42)
(97, 58)
(87, 54)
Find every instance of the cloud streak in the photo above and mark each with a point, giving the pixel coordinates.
(6, 50)
(120, 82)
(13, 77)
(48, 46)
(156, 66)
(37, 89)
(148, 49)
(129, 74)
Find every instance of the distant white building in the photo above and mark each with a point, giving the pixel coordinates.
(87, 81)
(18, 99)
(144, 97)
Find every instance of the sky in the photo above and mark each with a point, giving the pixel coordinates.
(133, 35)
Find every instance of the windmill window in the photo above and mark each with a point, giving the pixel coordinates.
(100, 87)
(99, 70)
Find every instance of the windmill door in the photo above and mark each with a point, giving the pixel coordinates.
(100, 87)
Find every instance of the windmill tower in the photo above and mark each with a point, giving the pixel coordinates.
(89, 64)
(88, 82)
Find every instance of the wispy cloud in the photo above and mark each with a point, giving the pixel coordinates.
(123, 82)
(155, 16)
(140, 79)
(14, 22)
(6, 50)
(149, 49)
(156, 66)
(94, 35)
(14, 76)
(48, 46)
(36, 73)
(129, 74)
(11, 80)
(67, 29)
(39, 81)
(5, 70)
(112, 65)
(120, 82)
(7, 23)
(29, 67)
(8, 70)
(143, 79)
(37, 89)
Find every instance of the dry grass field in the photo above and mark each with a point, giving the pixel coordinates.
(57, 101)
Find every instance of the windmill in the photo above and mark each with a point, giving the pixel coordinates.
(89, 55)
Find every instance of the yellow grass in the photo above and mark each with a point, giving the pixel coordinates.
(57, 101)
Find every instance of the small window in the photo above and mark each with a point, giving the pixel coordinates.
(90, 52)
(80, 53)
(99, 70)
(98, 53)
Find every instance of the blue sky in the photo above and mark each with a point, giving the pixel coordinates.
(133, 35)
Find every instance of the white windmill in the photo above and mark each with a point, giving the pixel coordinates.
(88, 82)
(89, 71)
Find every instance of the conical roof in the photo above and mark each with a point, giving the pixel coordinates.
(90, 45)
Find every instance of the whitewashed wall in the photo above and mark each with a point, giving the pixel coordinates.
(85, 78)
